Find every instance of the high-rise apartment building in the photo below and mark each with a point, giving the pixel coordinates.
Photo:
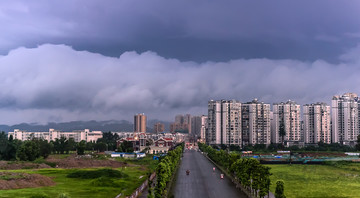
(317, 123)
(255, 118)
(196, 125)
(179, 119)
(224, 122)
(140, 123)
(345, 118)
(182, 124)
(286, 118)
(159, 127)
(204, 127)
(187, 121)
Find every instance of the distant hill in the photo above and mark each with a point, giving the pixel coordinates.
(110, 125)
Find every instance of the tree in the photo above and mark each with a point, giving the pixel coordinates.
(126, 146)
(100, 146)
(44, 146)
(70, 145)
(233, 147)
(260, 147)
(7, 147)
(28, 151)
(80, 147)
(110, 140)
(3, 144)
(358, 143)
(223, 146)
(10, 152)
(282, 132)
(90, 146)
(60, 145)
(165, 170)
(279, 191)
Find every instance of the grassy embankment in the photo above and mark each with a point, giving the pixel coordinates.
(332, 180)
(84, 186)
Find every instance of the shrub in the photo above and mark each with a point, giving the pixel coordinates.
(279, 191)
(93, 174)
(104, 181)
(39, 196)
(63, 195)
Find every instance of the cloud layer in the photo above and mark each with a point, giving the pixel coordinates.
(186, 29)
(58, 83)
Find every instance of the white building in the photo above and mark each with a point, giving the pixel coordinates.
(286, 115)
(224, 122)
(345, 118)
(317, 123)
(204, 127)
(255, 120)
(53, 134)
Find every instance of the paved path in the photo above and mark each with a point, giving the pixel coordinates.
(202, 181)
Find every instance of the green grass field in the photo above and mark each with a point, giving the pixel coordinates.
(335, 180)
(77, 187)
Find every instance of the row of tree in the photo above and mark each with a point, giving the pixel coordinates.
(254, 176)
(165, 170)
(29, 150)
(8, 147)
(275, 147)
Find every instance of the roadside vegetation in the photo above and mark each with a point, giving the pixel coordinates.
(165, 171)
(252, 175)
(272, 148)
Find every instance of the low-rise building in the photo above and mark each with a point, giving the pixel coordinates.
(138, 140)
(164, 142)
(128, 155)
(162, 145)
(53, 134)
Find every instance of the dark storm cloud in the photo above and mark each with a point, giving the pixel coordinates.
(58, 83)
(185, 29)
(79, 60)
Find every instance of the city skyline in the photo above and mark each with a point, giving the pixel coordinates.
(67, 61)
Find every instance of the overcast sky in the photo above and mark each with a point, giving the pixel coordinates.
(81, 60)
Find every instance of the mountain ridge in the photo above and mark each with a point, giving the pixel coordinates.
(93, 125)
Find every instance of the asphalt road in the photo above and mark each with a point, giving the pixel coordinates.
(202, 181)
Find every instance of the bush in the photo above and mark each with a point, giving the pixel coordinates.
(104, 181)
(63, 195)
(93, 174)
(51, 164)
(279, 191)
(41, 160)
(39, 196)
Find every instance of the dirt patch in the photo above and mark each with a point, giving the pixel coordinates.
(14, 165)
(69, 162)
(10, 180)
(74, 162)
